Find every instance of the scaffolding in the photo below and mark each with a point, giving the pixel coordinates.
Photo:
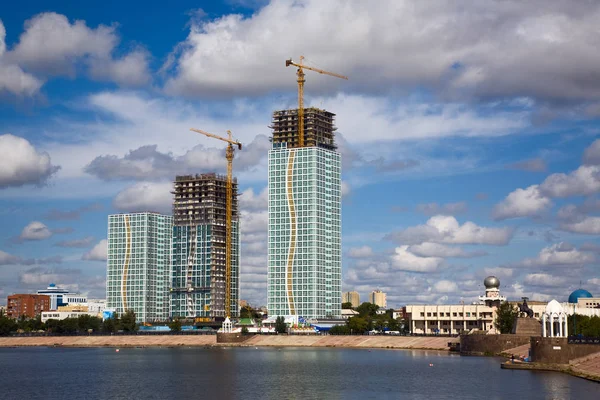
(319, 128)
(202, 200)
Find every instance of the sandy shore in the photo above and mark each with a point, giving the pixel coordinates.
(391, 342)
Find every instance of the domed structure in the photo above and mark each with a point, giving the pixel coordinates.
(579, 294)
(491, 282)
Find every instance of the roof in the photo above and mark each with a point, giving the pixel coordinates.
(554, 307)
(246, 321)
(579, 293)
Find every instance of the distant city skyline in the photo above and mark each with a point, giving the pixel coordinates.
(466, 150)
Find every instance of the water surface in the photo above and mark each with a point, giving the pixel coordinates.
(271, 373)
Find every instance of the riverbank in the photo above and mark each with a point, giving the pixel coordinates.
(385, 342)
(585, 367)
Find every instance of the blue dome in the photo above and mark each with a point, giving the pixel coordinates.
(578, 294)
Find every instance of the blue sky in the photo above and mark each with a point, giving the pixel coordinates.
(469, 134)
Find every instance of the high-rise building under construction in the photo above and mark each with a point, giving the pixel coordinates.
(198, 268)
(304, 240)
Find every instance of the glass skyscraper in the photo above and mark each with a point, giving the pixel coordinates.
(198, 282)
(138, 265)
(304, 239)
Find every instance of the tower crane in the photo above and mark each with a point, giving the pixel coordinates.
(229, 155)
(301, 80)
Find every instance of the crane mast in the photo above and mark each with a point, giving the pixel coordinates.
(229, 154)
(301, 81)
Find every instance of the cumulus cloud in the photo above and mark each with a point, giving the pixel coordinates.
(145, 196)
(51, 45)
(404, 260)
(147, 163)
(98, 252)
(21, 164)
(360, 252)
(12, 78)
(444, 209)
(559, 254)
(532, 165)
(251, 201)
(446, 229)
(6, 259)
(427, 249)
(584, 180)
(541, 279)
(35, 231)
(434, 34)
(522, 203)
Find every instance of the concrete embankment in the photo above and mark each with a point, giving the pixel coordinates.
(386, 342)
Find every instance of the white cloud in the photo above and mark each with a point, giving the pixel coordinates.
(591, 155)
(584, 180)
(445, 286)
(145, 196)
(6, 259)
(522, 203)
(360, 252)
(79, 243)
(427, 249)
(453, 49)
(346, 189)
(404, 260)
(35, 231)
(21, 164)
(559, 254)
(98, 252)
(544, 280)
(587, 225)
(251, 201)
(446, 229)
(12, 78)
(51, 45)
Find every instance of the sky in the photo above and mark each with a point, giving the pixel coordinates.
(468, 131)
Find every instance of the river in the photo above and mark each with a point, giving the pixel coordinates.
(272, 373)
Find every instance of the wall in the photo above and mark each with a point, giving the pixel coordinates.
(546, 350)
(232, 337)
(490, 344)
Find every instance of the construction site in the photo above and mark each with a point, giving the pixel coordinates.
(199, 260)
(319, 128)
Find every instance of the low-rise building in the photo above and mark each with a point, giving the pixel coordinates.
(348, 313)
(60, 315)
(56, 295)
(28, 305)
(454, 319)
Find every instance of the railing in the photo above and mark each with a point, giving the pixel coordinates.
(583, 340)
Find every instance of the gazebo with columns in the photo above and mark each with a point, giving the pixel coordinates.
(554, 321)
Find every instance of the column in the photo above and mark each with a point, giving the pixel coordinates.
(566, 325)
(551, 325)
(412, 321)
(560, 325)
(544, 325)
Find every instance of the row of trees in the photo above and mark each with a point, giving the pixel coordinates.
(81, 324)
(368, 319)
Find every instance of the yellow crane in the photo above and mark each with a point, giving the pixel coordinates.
(301, 80)
(229, 155)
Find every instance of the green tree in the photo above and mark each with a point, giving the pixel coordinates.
(7, 325)
(339, 330)
(505, 317)
(367, 310)
(245, 330)
(280, 326)
(110, 325)
(128, 323)
(358, 324)
(175, 325)
(347, 306)
(86, 322)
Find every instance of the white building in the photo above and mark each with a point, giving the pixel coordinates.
(60, 315)
(56, 295)
(461, 318)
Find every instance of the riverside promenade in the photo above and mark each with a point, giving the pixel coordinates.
(386, 342)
